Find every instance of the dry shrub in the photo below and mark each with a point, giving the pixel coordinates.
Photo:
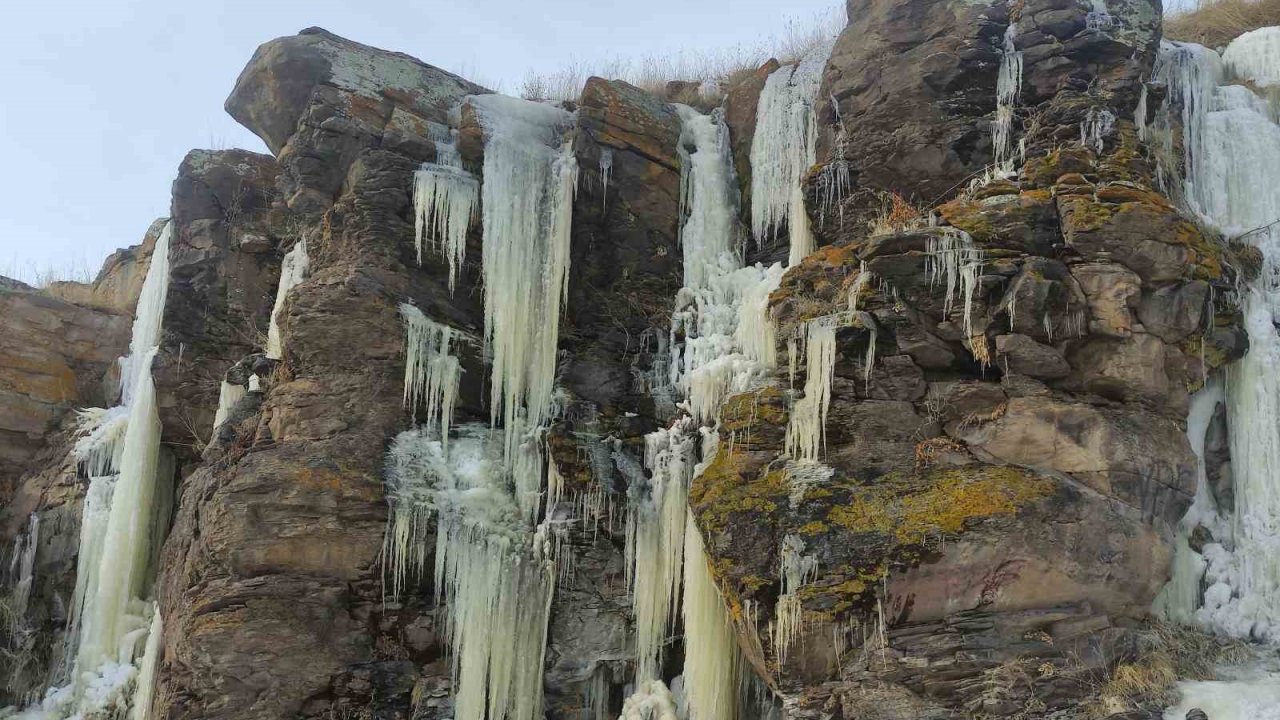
(1169, 654)
(896, 214)
(1215, 23)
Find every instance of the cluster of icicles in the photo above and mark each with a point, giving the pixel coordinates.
(114, 627)
(1231, 162)
(496, 527)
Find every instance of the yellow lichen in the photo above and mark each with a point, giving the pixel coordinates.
(915, 507)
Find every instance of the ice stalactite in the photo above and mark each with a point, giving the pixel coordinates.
(757, 332)
(228, 395)
(1096, 127)
(606, 170)
(1181, 596)
(713, 665)
(655, 540)
(125, 513)
(1232, 165)
(1099, 18)
(492, 569)
(1008, 83)
(957, 262)
(445, 201)
(145, 687)
(530, 176)
(293, 269)
(796, 571)
(807, 430)
(22, 565)
(783, 150)
(431, 371)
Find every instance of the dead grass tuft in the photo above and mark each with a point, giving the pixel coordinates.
(711, 70)
(1169, 654)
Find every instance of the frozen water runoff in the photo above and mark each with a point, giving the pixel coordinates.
(1232, 161)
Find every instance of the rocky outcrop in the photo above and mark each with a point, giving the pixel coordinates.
(1002, 460)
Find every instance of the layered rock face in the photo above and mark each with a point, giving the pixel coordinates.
(988, 511)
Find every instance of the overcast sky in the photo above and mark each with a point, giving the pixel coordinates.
(103, 99)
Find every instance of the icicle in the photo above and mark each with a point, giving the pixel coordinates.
(22, 571)
(606, 169)
(1008, 83)
(144, 693)
(712, 662)
(147, 318)
(292, 271)
(1180, 597)
(806, 433)
(1099, 19)
(958, 262)
(1095, 128)
(445, 198)
(783, 150)
(797, 570)
(228, 395)
(530, 176)
(431, 371)
(756, 332)
(655, 531)
(497, 583)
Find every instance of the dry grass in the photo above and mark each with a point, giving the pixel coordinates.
(896, 214)
(39, 275)
(1170, 654)
(1215, 23)
(711, 70)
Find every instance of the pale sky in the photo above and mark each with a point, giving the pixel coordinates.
(102, 99)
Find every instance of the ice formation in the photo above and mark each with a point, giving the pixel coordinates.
(807, 428)
(126, 511)
(1008, 83)
(1250, 694)
(431, 371)
(1097, 126)
(228, 395)
(445, 200)
(721, 343)
(1255, 56)
(494, 572)
(292, 271)
(1099, 18)
(783, 150)
(713, 664)
(1232, 162)
(796, 571)
(655, 541)
(957, 262)
(530, 176)
(606, 170)
(22, 566)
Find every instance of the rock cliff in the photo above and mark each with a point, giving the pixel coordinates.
(989, 509)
